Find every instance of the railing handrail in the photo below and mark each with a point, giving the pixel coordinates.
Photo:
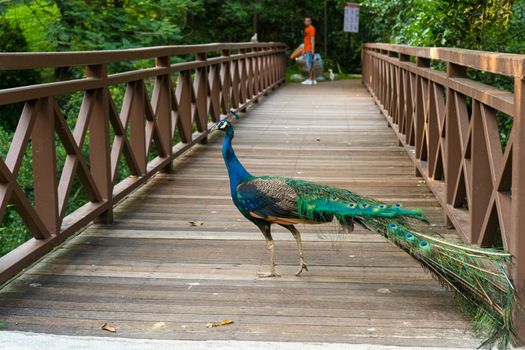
(34, 60)
(494, 62)
(19, 94)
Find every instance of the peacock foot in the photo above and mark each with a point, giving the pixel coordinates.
(267, 274)
(301, 268)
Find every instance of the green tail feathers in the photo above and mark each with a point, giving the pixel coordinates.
(477, 276)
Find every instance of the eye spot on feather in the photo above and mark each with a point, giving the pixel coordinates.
(364, 205)
(382, 206)
(392, 226)
(397, 205)
(410, 237)
(351, 205)
(424, 246)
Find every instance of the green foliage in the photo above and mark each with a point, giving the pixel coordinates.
(469, 24)
(33, 18)
(107, 25)
(13, 231)
(491, 25)
(12, 40)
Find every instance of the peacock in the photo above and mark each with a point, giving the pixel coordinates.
(478, 277)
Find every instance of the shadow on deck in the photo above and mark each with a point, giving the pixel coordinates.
(154, 275)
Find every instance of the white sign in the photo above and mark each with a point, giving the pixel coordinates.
(351, 23)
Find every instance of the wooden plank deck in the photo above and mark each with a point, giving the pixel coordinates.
(153, 275)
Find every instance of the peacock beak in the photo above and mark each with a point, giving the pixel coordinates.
(214, 126)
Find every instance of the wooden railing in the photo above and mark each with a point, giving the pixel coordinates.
(186, 99)
(448, 124)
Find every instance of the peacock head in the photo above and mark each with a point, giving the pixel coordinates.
(225, 126)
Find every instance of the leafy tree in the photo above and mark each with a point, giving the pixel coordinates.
(12, 40)
(117, 24)
(34, 19)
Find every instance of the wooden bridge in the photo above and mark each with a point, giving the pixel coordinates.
(169, 253)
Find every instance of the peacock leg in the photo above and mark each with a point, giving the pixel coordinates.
(271, 252)
(297, 236)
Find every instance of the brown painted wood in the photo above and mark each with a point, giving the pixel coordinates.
(141, 125)
(152, 266)
(482, 186)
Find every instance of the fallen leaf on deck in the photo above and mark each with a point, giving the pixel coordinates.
(159, 325)
(109, 328)
(196, 223)
(218, 324)
(318, 139)
(384, 290)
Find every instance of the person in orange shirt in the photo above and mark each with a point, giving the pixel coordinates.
(309, 50)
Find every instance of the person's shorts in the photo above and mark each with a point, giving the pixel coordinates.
(309, 60)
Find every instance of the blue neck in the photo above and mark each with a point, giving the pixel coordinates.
(236, 170)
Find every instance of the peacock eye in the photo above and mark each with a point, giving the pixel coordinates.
(392, 226)
(397, 205)
(382, 206)
(351, 205)
(365, 205)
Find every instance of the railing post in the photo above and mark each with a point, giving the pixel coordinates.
(99, 150)
(226, 82)
(214, 92)
(249, 84)
(265, 71)
(256, 75)
(161, 102)
(183, 95)
(517, 238)
(235, 81)
(243, 91)
(200, 86)
(283, 65)
(405, 100)
(453, 155)
(419, 121)
(44, 165)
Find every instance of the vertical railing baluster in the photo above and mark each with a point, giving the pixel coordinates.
(99, 149)
(137, 123)
(403, 98)
(256, 74)
(243, 79)
(452, 138)
(226, 82)
(44, 165)
(235, 79)
(161, 102)
(271, 71)
(214, 99)
(265, 71)
(419, 122)
(249, 86)
(517, 239)
(200, 87)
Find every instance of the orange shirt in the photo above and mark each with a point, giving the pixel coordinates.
(309, 33)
